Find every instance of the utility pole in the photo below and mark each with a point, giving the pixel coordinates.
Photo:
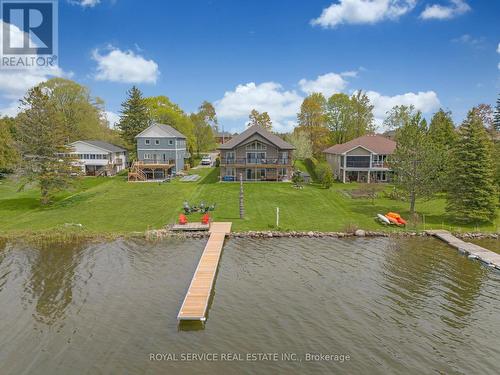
(242, 207)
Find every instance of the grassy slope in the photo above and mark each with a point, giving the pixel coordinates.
(113, 205)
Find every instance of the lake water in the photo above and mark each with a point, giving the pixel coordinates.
(412, 306)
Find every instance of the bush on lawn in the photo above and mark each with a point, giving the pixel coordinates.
(324, 175)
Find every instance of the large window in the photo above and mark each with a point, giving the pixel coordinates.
(256, 174)
(358, 162)
(256, 157)
(230, 172)
(256, 145)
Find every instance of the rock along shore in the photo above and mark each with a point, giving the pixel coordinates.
(166, 233)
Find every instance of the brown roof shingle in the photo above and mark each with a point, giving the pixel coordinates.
(273, 138)
(375, 143)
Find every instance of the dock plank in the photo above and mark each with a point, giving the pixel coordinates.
(472, 250)
(195, 303)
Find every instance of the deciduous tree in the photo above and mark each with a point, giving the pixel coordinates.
(414, 162)
(312, 121)
(8, 151)
(302, 143)
(260, 119)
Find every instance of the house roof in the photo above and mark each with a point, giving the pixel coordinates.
(167, 130)
(104, 145)
(375, 143)
(256, 129)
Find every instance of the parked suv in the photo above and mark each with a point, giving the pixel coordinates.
(206, 160)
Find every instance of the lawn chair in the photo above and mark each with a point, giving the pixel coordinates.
(205, 219)
(187, 209)
(183, 219)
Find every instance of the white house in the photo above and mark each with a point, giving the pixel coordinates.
(98, 158)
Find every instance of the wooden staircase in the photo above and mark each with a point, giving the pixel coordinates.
(136, 173)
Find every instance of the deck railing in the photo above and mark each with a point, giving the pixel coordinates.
(255, 161)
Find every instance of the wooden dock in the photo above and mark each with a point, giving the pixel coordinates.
(195, 303)
(473, 251)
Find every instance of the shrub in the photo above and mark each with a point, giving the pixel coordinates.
(324, 175)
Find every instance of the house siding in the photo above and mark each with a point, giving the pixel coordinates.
(169, 148)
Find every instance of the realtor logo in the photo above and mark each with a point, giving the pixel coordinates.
(29, 33)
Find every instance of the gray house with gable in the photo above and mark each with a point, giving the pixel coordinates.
(161, 150)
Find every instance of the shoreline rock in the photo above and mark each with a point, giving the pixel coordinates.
(165, 233)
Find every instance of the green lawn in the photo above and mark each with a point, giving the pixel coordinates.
(111, 205)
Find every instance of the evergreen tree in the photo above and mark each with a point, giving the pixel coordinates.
(42, 138)
(414, 162)
(134, 117)
(442, 130)
(472, 194)
(496, 121)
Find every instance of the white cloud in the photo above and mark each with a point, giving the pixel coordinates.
(14, 84)
(283, 105)
(362, 12)
(426, 102)
(85, 3)
(469, 40)
(327, 84)
(124, 66)
(112, 118)
(443, 12)
(269, 97)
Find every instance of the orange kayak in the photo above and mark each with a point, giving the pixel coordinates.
(392, 220)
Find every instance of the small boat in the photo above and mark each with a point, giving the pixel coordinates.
(397, 217)
(392, 220)
(383, 219)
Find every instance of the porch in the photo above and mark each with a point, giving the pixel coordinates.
(365, 176)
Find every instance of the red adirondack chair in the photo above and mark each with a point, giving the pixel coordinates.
(205, 219)
(183, 219)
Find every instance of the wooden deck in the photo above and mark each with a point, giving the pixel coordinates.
(195, 303)
(191, 227)
(473, 251)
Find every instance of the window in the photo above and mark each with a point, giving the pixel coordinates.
(283, 156)
(256, 157)
(157, 142)
(230, 172)
(170, 142)
(147, 156)
(256, 145)
(230, 155)
(92, 156)
(147, 141)
(282, 172)
(259, 174)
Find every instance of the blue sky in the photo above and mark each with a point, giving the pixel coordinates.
(269, 54)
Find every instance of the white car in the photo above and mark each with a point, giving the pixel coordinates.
(206, 160)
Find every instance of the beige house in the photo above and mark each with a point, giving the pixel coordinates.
(363, 159)
(256, 154)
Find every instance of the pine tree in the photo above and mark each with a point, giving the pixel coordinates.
(496, 120)
(41, 133)
(134, 117)
(472, 193)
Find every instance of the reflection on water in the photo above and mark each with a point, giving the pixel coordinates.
(51, 279)
(395, 306)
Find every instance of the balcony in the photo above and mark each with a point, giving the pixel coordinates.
(254, 162)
